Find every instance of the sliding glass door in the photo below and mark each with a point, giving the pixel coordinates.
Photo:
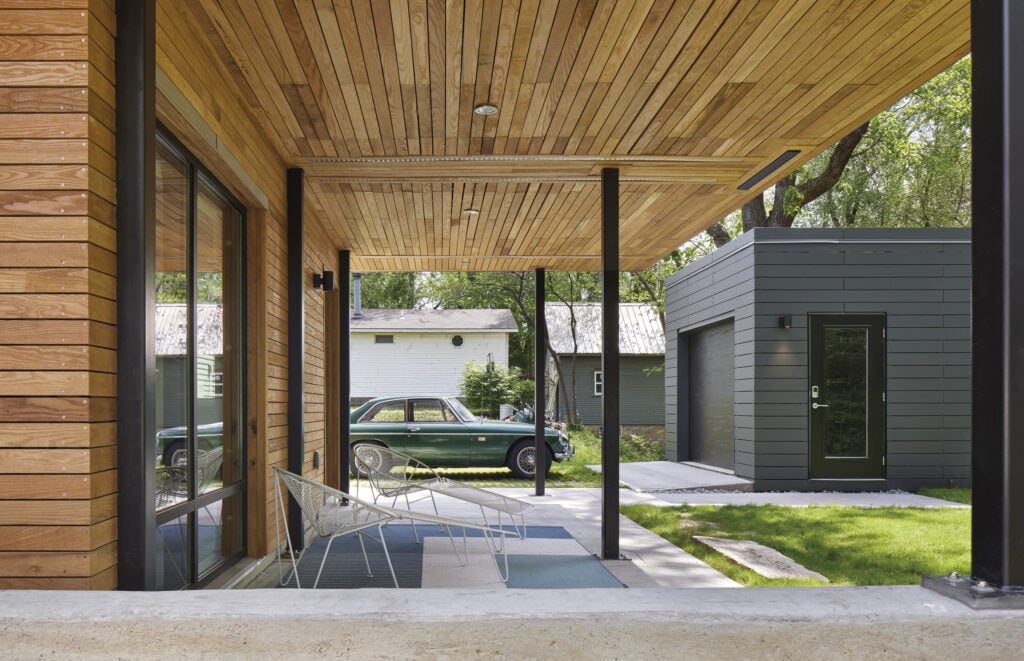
(198, 295)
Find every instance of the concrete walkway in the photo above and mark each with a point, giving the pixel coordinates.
(905, 622)
(653, 476)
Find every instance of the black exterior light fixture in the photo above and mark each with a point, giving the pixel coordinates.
(324, 281)
(786, 321)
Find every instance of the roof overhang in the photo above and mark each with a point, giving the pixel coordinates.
(690, 100)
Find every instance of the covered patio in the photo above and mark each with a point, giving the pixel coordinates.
(271, 142)
(506, 136)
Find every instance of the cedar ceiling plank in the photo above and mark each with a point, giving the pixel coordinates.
(360, 70)
(393, 93)
(520, 46)
(572, 96)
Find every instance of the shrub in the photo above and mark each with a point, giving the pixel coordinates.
(487, 386)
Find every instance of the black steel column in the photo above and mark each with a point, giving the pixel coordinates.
(539, 342)
(997, 308)
(136, 310)
(998, 296)
(344, 365)
(610, 363)
(296, 346)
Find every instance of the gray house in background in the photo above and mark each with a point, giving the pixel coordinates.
(824, 359)
(641, 379)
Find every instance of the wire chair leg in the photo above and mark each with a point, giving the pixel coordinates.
(366, 558)
(278, 513)
(323, 561)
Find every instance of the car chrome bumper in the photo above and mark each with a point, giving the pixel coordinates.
(570, 452)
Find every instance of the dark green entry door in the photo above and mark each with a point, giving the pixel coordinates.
(847, 398)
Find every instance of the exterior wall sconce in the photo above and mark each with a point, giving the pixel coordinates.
(786, 321)
(324, 281)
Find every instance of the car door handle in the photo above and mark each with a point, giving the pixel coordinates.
(414, 428)
(816, 405)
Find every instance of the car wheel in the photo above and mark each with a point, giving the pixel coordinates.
(175, 454)
(522, 459)
(369, 457)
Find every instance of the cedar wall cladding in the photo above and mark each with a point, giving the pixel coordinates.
(57, 280)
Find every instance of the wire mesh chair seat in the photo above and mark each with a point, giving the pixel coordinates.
(395, 475)
(332, 513)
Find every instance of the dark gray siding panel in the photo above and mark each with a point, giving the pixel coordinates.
(919, 279)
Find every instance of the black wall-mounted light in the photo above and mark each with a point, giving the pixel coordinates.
(786, 321)
(324, 281)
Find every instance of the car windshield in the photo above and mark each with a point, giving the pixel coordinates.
(461, 410)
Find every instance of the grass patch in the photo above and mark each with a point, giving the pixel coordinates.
(571, 473)
(954, 495)
(849, 545)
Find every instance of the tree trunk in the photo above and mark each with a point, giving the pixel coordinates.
(784, 211)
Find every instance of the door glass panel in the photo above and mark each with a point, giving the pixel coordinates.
(172, 554)
(219, 531)
(218, 350)
(845, 392)
(171, 297)
(199, 293)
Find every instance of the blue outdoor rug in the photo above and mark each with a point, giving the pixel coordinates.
(549, 558)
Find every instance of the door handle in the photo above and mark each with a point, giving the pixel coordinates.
(816, 405)
(414, 428)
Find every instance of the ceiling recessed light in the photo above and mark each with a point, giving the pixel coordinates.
(485, 109)
(471, 212)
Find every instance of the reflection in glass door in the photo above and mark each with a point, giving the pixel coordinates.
(847, 401)
(199, 378)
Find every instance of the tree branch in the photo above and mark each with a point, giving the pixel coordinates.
(812, 189)
(719, 234)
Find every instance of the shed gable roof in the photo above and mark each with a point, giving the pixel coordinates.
(435, 321)
(640, 332)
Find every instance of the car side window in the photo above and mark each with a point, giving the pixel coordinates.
(388, 412)
(427, 410)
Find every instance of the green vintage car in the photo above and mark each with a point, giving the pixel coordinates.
(441, 431)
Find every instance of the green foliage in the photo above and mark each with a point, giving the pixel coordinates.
(849, 545)
(632, 448)
(487, 386)
(172, 287)
(913, 167)
(388, 290)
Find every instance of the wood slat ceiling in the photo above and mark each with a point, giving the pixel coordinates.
(689, 99)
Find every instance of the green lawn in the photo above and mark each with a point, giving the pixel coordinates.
(571, 473)
(849, 545)
(954, 495)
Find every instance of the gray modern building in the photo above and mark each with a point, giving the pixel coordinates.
(824, 359)
(575, 335)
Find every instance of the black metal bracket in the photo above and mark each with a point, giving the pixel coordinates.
(977, 594)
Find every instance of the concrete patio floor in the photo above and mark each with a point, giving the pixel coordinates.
(673, 610)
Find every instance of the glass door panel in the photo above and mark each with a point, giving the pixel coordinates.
(200, 380)
(847, 398)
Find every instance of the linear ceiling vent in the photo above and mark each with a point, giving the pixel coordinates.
(768, 169)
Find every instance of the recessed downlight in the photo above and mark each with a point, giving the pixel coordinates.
(486, 109)
(471, 212)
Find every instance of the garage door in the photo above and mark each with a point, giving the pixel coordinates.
(712, 424)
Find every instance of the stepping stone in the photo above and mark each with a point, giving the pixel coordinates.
(764, 560)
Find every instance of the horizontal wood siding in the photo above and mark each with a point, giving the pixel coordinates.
(57, 310)
(920, 280)
(420, 363)
(717, 288)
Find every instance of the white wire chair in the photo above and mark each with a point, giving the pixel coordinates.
(332, 513)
